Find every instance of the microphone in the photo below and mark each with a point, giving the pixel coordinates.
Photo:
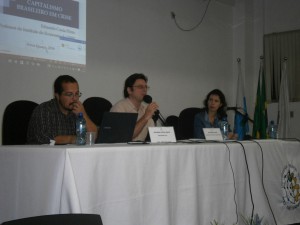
(241, 111)
(147, 99)
(238, 109)
(157, 115)
(233, 108)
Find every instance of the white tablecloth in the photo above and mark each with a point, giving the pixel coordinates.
(161, 184)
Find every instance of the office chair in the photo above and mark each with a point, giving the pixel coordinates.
(15, 122)
(172, 121)
(95, 107)
(58, 219)
(186, 122)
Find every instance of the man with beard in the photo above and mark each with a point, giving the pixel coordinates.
(56, 119)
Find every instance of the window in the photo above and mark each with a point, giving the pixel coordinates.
(278, 46)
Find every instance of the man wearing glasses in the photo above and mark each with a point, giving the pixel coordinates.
(56, 119)
(135, 88)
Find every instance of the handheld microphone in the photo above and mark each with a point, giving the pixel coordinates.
(157, 115)
(147, 99)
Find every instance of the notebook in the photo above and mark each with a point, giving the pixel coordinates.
(116, 127)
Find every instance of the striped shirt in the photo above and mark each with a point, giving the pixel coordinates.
(47, 122)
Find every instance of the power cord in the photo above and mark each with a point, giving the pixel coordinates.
(249, 181)
(173, 16)
(289, 139)
(236, 208)
(262, 179)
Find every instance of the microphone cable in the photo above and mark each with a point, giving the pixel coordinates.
(262, 178)
(249, 180)
(262, 172)
(234, 185)
(288, 139)
(230, 163)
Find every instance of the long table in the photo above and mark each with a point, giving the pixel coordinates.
(161, 184)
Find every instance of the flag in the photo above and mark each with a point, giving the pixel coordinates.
(260, 115)
(283, 105)
(241, 126)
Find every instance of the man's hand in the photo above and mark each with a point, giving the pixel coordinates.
(78, 107)
(150, 110)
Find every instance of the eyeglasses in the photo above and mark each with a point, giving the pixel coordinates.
(72, 95)
(142, 87)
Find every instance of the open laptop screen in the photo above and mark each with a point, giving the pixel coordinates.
(116, 127)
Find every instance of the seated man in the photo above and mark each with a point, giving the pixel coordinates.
(135, 89)
(56, 119)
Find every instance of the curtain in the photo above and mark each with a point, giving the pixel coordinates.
(278, 46)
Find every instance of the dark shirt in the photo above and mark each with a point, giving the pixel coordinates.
(47, 122)
(201, 121)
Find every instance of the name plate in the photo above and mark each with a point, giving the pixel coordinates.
(213, 134)
(162, 134)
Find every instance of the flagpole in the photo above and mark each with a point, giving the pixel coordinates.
(278, 108)
(283, 119)
(241, 118)
(260, 114)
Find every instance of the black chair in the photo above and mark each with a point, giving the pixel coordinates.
(15, 122)
(95, 107)
(186, 122)
(58, 219)
(172, 121)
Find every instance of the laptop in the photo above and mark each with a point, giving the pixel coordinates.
(117, 127)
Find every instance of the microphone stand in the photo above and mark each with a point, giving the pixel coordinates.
(246, 115)
(242, 112)
(162, 119)
(157, 116)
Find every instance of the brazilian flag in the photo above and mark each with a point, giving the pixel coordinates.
(260, 123)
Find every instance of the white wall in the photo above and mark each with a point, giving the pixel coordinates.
(124, 37)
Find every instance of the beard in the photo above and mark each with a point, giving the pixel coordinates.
(69, 107)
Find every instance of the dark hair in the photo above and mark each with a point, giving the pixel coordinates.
(129, 82)
(222, 110)
(58, 89)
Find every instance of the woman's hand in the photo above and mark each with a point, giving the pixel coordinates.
(232, 136)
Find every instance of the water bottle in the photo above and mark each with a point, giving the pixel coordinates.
(224, 128)
(272, 130)
(80, 130)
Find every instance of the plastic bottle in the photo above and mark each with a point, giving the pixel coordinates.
(272, 130)
(80, 130)
(224, 128)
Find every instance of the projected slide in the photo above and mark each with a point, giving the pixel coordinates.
(45, 30)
